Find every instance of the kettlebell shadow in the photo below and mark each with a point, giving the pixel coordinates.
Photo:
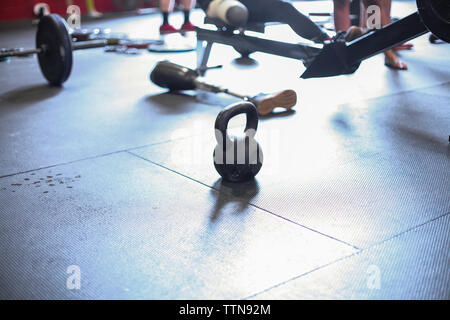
(232, 196)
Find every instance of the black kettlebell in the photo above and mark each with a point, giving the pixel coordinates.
(237, 159)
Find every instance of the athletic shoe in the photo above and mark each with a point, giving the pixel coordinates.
(186, 27)
(167, 28)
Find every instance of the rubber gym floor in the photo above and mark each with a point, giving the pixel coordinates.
(115, 176)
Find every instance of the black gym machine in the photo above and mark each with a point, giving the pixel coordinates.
(336, 57)
(54, 46)
(344, 58)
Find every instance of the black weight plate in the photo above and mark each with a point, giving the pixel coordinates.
(435, 14)
(56, 59)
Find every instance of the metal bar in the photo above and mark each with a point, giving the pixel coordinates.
(90, 44)
(75, 46)
(202, 85)
(18, 53)
(255, 44)
(385, 38)
(234, 94)
(203, 66)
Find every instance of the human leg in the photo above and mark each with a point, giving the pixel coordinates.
(391, 60)
(341, 15)
(166, 7)
(187, 7)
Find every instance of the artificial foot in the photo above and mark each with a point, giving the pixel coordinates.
(265, 103)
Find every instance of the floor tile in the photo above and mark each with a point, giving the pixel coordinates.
(413, 265)
(358, 172)
(137, 231)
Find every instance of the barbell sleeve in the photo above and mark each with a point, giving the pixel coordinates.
(18, 53)
(100, 43)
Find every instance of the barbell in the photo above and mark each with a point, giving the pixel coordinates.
(54, 48)
(435, 15)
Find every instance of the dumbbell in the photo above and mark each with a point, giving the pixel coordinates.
(175, 77)
(54, 48)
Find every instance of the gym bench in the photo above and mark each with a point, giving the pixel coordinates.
(336, 57)
(245, 44)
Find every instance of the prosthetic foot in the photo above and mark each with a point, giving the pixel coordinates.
(265, 103)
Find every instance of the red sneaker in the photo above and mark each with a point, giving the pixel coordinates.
(167, 28)
(188, 26)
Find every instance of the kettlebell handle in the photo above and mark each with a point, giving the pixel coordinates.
(233, 110)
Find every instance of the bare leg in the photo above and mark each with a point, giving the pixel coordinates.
(385, 9)
(341, 15)
(187, 7)
(166, 7)
(188, 4)
(390, 58)
(362, 14)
